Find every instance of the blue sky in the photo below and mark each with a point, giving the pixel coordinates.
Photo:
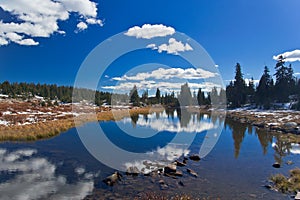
(248, 32)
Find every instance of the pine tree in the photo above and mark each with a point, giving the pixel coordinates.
(236, 91)
(200, 97)
(285, 81)
(157, 95)
(264, 89)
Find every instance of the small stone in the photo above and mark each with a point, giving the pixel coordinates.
(268, 186)
(181, 183)
(195, 157)
(289, 162)
(192, 172)
(112, 179)
(180, 164)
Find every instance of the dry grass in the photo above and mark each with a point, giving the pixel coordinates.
(52, 128)
(159, 196)
(287, 184)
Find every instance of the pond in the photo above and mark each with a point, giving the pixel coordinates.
(236, 159)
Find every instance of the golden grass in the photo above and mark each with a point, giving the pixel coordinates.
(52, 128)
(287, 184)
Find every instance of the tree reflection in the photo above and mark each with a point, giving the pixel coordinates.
(265, 138)
(134, 119)
(184, 117)
(238, 134)
(282, 148)
(170, 112)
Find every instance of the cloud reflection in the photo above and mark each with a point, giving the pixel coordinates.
(35, 178)
(159, 158)
(165, 123)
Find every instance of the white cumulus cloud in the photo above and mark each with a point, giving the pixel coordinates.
(39, 18)
(173, 47)
(169, 73)
(289, 56)
(164, 86)
(82, 26)
(148, 31)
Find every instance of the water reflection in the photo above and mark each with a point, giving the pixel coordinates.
(282, 147)
(172, 120)
(238, 134)
(160, 157)
(265, 139)
(31, 177)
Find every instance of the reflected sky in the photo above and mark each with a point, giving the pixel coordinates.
(31, 177)
(148, 125)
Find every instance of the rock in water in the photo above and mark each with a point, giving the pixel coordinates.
(195, 157)
(276, 165)
(133, 170)
(162, 184)
(181, 183)
(112, 179)
(185, 160)
(192, 172)
(171, 168)
(180, 164)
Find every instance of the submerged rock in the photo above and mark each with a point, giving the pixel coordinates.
(180, 164)
(163, 185)
(185, 159)
(289, 162)
(195, 157)
(192, 172)
(112, 179)
(181, 183)
(174, 174)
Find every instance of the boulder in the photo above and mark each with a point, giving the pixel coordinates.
(290, 125)
(170, 168)
(194, 157)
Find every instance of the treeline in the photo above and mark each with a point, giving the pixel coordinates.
(267, 94)
(183, 98)
(52, 92)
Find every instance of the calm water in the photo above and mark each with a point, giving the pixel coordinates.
(236, 167)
